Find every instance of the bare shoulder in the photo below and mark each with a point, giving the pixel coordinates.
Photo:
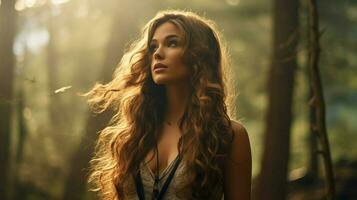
(239, 129)
(238, 168)
(240, 151)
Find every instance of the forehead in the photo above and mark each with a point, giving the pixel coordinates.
(166, 29)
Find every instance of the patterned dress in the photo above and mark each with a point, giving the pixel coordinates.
(147, 177)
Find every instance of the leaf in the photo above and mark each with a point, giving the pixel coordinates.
(62, 89)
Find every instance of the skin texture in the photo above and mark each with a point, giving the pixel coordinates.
(166, 48)
(238, 167)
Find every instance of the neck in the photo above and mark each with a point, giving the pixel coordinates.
(177, 97)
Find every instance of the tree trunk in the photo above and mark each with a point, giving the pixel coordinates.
(272, 179)
(312, 172)
(317, 101)
(7, 65)
(55, 105)
(19, 192)
(124, 24)
(313, 144)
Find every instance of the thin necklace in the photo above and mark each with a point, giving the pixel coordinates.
(155, 192)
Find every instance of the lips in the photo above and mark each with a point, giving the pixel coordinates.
(159, 66)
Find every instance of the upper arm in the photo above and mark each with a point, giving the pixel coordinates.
(238, 166)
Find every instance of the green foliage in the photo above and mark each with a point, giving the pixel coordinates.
(82, 31)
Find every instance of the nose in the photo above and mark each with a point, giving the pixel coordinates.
(158, 54)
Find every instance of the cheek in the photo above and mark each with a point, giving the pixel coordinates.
(184, 67)
(176, 56)
(179, 64)
(182, 71)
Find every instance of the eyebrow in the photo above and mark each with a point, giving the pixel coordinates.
(167, 37)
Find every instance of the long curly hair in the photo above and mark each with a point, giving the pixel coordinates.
(138, 104)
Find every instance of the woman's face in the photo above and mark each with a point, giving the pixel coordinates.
(167, 50)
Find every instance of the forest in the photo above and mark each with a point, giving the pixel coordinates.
(52, 51)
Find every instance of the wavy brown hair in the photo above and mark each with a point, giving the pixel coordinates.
(138, 106)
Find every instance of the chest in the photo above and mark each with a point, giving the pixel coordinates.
(167, 149)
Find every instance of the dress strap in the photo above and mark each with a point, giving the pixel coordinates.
(169, 179)
(140, 187)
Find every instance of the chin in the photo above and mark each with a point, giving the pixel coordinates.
(161, 81)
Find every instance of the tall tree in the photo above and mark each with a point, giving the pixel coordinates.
(7, 64)
(22, 126)
(313, 164)
(317, 100)
(273, 175)
(55, 106)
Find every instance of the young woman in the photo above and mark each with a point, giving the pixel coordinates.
(171, 136)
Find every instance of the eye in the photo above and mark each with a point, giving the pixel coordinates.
(172, 43)
(152, 48)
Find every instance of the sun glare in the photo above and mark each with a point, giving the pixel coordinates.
(59, 1)
(233, 2)
(20, 5)
(30, 3)
(24, 4)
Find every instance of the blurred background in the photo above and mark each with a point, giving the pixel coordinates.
(62, 47)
